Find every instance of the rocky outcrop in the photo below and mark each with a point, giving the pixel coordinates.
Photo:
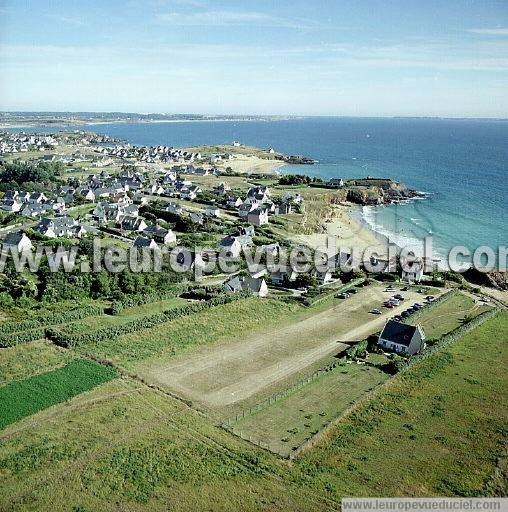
(497, 280)
(370, 191)
(296, 159)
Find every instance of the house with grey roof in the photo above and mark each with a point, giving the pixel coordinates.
(17, 241)
(60, 227)
(257, 286)
(258, 216)
(402, 338)
(142, 242)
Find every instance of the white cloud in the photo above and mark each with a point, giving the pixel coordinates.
(231, 18)
(490, 31)
(76, 22)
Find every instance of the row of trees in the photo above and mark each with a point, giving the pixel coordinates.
(30, 176)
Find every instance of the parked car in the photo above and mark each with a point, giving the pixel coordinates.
(343, 295)
(404, 314)
(429, 298)
(352, 290)
(404, 289)
(398, 296)
(397, 318)
(375, 311)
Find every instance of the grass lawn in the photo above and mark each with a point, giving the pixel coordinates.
(25, 397)
(287, 423)
(176, 336)
(435, 430)
(28, 359)
(130, 448)
(448, 315)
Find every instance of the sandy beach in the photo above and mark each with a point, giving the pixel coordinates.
(254, 164)
(349, 232)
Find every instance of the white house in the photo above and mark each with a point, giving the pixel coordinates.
(412, 271)
(402, 338)
(255, 285)
(17, 241)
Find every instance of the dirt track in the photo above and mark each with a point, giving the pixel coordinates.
(232, 371)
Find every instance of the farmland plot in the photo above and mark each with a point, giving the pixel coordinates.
(25, 397)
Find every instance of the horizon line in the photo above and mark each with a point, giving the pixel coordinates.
(225, 116)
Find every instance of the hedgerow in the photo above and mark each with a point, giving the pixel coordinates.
(145, 298)
(12, 339)
(51, 318)
(72, 340)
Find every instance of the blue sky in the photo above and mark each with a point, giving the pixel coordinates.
(312, 57)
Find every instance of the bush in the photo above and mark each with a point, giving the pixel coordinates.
(11, 340)
(359, 350)
(395, 365)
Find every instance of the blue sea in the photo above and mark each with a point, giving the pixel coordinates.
(461, 164)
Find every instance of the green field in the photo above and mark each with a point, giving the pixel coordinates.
(287, 423)
(435, 430)
(448, 315)
(124, 446)
(29, 359)
(22, 398)
(170, 338)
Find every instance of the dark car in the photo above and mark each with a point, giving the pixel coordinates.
(398, 296)
(404, 314)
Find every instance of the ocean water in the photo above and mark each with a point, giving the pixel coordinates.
(461, 164)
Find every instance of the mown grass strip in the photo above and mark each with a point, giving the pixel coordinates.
(22, 398)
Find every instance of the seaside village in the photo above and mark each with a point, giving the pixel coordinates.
(147, 197)
(273, 356)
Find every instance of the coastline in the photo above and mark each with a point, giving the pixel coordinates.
(349, 232)
(80, 123)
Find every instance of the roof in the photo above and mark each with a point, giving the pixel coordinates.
(13, 238)
(399, 333)
(240, 283)
(142, 242)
